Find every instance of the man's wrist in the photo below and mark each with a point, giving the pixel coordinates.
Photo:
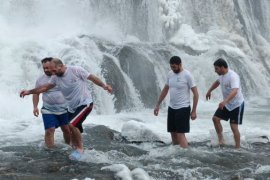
(103, 85)
(30, 91)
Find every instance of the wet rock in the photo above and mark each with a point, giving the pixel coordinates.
(104, 139)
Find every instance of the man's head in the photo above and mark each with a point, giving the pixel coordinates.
(221, 66)
(176, 64)
(46, 65)
(57, 67)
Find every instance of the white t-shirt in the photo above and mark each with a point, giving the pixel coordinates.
(229, 81)
(179, 88)
(74, 86)
(53, 100)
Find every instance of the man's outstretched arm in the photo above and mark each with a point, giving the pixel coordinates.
(98, 82)
(37, 90)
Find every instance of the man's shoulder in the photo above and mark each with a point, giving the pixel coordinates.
(233, 74)
(43, 77)
(185, 71)
(170, 73)
(232, 71)
(75, 69)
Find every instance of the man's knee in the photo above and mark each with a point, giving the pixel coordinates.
(234, 127)
(216, 119)
(50, 131)
(65, 128)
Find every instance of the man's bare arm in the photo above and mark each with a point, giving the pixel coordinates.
(37, 90)
(98, 82)
(35, 104)
(214, 86)
(163, 94)
(229, 98)
(195, 102)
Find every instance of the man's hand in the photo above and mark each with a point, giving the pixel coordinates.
(24, 93)
(208, 96)
(222, 105)
(156, 110)
(193, 115)
(107, 88)
(36, 112)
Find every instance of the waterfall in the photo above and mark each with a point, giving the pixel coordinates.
(128, 43)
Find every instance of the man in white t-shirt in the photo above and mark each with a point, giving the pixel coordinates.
(232, 106)
(72, 82)
(54, 108)
(179, 83)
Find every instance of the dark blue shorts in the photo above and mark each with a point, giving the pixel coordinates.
(54, 121)
(235, 115)
(178, 120)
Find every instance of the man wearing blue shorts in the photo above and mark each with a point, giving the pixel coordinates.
(54, 109)
(232, 106)
(179, 83)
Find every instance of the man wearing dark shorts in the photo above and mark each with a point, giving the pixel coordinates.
(179, 83)
(73, 83)
(232, 106)
(178, 120)
(80, 114)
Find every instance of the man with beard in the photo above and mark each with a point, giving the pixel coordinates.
(179, 83)
(54, 109)
(232, 106)
(72, 82)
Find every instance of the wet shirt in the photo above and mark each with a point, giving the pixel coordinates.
(228, 82)
(179, 88)
(53, 100)
(74, 86)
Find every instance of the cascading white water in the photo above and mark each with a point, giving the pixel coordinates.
(236, 30)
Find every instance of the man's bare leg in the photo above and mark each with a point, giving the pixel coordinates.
(76, 138)
(182, 140)
(219, 129)
(49, 137)
(66, 133)
(174, 138)
(236, 135)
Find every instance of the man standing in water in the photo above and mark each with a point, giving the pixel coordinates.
(232, 106)
(72, 82)
(179, 83)
(54, 109)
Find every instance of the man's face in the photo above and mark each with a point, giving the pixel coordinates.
(219, 70)
(175, 68)
(46, 68)
(57, 70)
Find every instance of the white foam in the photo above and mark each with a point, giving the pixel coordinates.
(124, 173)
(137, 131)
(95, 156)
(121, 171)
(262, 169)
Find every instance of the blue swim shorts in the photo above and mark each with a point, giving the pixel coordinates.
(54, 121)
